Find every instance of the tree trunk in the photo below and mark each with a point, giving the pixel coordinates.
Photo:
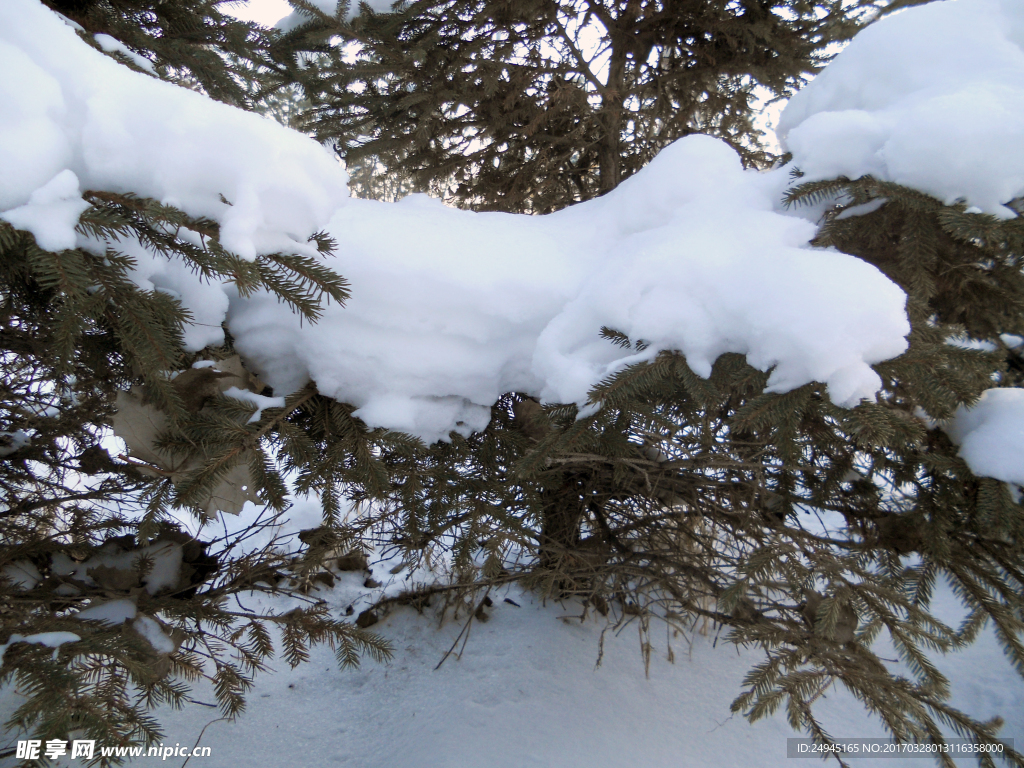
(613, 97)
(563, 509)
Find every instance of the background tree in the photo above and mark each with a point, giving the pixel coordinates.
(532, 106)
(195, 43)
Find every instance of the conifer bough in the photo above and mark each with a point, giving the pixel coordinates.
(532, 106)
(806, 528)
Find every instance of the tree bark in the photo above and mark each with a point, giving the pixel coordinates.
(613, 96)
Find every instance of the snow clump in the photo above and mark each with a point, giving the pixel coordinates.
(991, 435)
(930, 98)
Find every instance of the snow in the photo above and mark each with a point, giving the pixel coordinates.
(450, 309)
(11, 442)
(73, 112)
(52, 212)
(112, 611)
(862, 210)
(259, 401)
(206, 301)
(991, 435)
(150, 629)
(119, 611)
(112, 45)
(49, 639)
(166, 569)
(930, 98)
(22, 574)
(527, 691)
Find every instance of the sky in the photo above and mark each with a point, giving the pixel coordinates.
(266, 12)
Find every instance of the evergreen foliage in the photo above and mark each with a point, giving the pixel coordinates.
(674, 499)
(532, 106)
(83, 528)
(191, 42)
(687, 500)
(82, 348)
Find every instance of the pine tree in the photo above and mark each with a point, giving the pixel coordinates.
(678, 499)
(685, 500)
(532, 106)
(192, 42)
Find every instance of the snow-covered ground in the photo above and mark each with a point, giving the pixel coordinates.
(526, 692)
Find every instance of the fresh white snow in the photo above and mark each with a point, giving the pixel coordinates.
(450, 308)
(258, 401)
(931, 98)
(113, 45)
(73, 110)
(112, 611)
(52, 212)
(527, 691)
(148, 627)
(49, 639)
(991, 435)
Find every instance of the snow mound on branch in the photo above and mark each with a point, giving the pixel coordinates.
(52, 212)
(930, 98)
(207, 302)
(991, 435)
(49, 639)
(450, 308)
(68, 113)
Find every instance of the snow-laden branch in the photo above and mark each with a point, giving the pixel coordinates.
(930, 98)
(450, 308)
